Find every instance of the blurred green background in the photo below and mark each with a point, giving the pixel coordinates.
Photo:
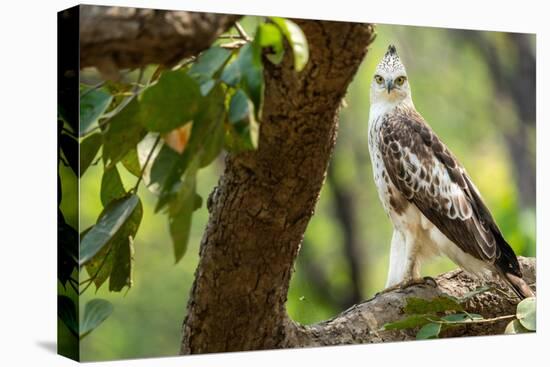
(474, 88)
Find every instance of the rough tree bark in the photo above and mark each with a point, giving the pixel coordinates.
(124, 38)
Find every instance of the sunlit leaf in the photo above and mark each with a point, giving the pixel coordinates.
(95, 312)
(144, 149)
(171, 102)
(177, 139)
(270, 37)
(515, 327)
(92, 105)
(88, 151)
(527, 313)
(297, 40)
(114, 217)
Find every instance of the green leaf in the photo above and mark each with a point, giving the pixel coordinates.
(88, 151)
(100, 266)
(214, 144)
(181, 211)
(122, 273)
(527, 313)
(297, 40)
(239, 108)
(122, 134)
(515, 327)
(69, 146)
(410, 322)
(171, 102)
(208, 63)
(166, 161)
(207, 86)
(66, 311)
(207, 133)
(111, 186)
(245, 129)
(92, 105)
(113, 218)
(429, 331)
(169, 167)
(143, 150)
(67, 250)
(270, 37)
(131, 162)
(438, 304)
(247, 72)
(106, 262)
(95, 312)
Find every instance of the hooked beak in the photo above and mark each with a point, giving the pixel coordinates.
(389, 85)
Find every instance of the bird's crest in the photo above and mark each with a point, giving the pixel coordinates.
(391, 62)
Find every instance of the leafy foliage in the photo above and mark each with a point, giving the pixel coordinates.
(432, 316)
(163, 131)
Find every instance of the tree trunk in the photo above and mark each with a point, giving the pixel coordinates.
(264, 199)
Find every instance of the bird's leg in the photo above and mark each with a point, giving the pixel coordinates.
(404, 269)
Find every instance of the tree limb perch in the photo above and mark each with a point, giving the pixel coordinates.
(363, 322)
(121, 37)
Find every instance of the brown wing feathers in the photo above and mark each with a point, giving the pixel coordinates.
(428, 175)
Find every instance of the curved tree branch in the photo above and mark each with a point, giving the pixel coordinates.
(121, 37)
(363, 322)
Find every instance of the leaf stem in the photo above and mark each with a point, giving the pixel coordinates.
(476, 321)
(242, 32)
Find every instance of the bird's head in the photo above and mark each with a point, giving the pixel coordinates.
(390, 83)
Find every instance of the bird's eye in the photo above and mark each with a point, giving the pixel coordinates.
(400, 80)
(379, 79)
